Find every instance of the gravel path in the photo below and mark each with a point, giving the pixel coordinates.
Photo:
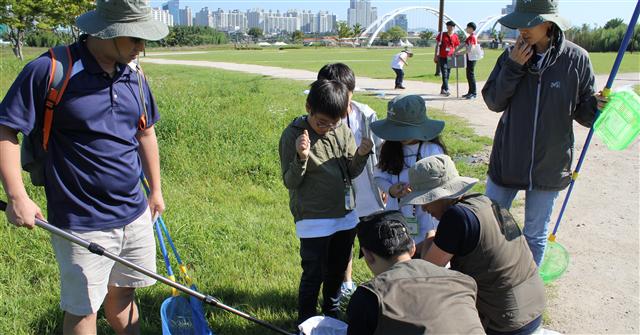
(599, 293)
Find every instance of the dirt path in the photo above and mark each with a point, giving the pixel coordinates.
(599, 293)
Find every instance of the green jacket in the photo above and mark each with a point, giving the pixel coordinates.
(316, 186)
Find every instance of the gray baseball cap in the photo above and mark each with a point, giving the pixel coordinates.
(434, 178)
(530, 13)
(116, 18)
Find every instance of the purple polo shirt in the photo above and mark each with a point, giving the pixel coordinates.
(92, 167)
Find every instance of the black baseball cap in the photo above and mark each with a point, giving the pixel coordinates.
(385, 234)
(451, 23)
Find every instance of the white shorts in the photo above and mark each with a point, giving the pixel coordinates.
(85, 277)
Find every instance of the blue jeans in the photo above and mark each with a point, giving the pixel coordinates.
(444, 72)
(537, 213)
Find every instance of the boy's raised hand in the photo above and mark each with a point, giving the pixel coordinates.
(365, 146)
(303, 145)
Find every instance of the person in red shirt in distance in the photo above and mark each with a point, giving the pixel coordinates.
(446, 46)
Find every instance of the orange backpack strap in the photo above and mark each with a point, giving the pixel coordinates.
(61, 67)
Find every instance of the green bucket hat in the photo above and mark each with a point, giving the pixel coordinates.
(434, 178)
(407, 120)
(530, 13)
(115, 18)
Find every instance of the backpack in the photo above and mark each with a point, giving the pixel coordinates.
(33, 150)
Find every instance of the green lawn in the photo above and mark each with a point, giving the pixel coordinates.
(226, 206)
(375, 63)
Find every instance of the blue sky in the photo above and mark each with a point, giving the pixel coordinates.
(578, 12)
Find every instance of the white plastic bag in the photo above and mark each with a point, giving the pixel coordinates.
(323, 325)
(476, 52)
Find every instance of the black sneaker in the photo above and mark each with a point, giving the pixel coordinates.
(445, 93)
(470, 96)
(401, 87)
(465, 96)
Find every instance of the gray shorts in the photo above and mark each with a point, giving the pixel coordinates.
(85, 277)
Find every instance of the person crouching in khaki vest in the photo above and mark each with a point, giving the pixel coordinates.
(407, 296)
(482, 240)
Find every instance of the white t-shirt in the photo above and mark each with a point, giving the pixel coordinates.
(366, 200)
(399, 60)
(385, 180)
(311, 228)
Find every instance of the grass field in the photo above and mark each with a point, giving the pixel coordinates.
(226, 206)
(375, 63)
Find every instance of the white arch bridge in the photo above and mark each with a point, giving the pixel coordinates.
(376, 27)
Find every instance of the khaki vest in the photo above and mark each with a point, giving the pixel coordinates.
(510, 291)
(417, 297)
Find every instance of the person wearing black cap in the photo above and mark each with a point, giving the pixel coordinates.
(407, 296)
(446, 44)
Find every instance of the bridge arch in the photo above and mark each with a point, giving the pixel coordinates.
(379, 24)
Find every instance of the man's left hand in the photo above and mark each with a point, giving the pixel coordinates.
(602, 100)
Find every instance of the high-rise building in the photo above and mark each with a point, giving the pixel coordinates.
(173, 6)
(361, 12)
(255, 18)
(276, 22)
(400, 21)
(326, 22)
(230, 20)
(308, 22)
(204, 18)
(163, 16)
(186, 16)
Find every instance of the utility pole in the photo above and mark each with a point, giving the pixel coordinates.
(440, 17)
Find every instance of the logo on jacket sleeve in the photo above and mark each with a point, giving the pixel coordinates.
(555, 84)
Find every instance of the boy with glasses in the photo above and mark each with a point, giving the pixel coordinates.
(319, 160)
(369, 198)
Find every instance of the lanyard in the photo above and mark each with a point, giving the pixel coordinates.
(418, 157)
(344, 170)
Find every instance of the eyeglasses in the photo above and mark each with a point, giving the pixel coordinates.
(327, 125)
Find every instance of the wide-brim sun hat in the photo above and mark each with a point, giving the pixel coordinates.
(434, 178)
(407, 120)
(530, 13)
(119, 18)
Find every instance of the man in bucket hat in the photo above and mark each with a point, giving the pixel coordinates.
(407, 296)
(101, 138)
(542, 84)
(482, 240)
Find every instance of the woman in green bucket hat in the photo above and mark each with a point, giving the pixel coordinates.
(540, 85)
(409, 135)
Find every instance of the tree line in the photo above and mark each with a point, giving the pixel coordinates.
(605, 38)
(47, 23)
